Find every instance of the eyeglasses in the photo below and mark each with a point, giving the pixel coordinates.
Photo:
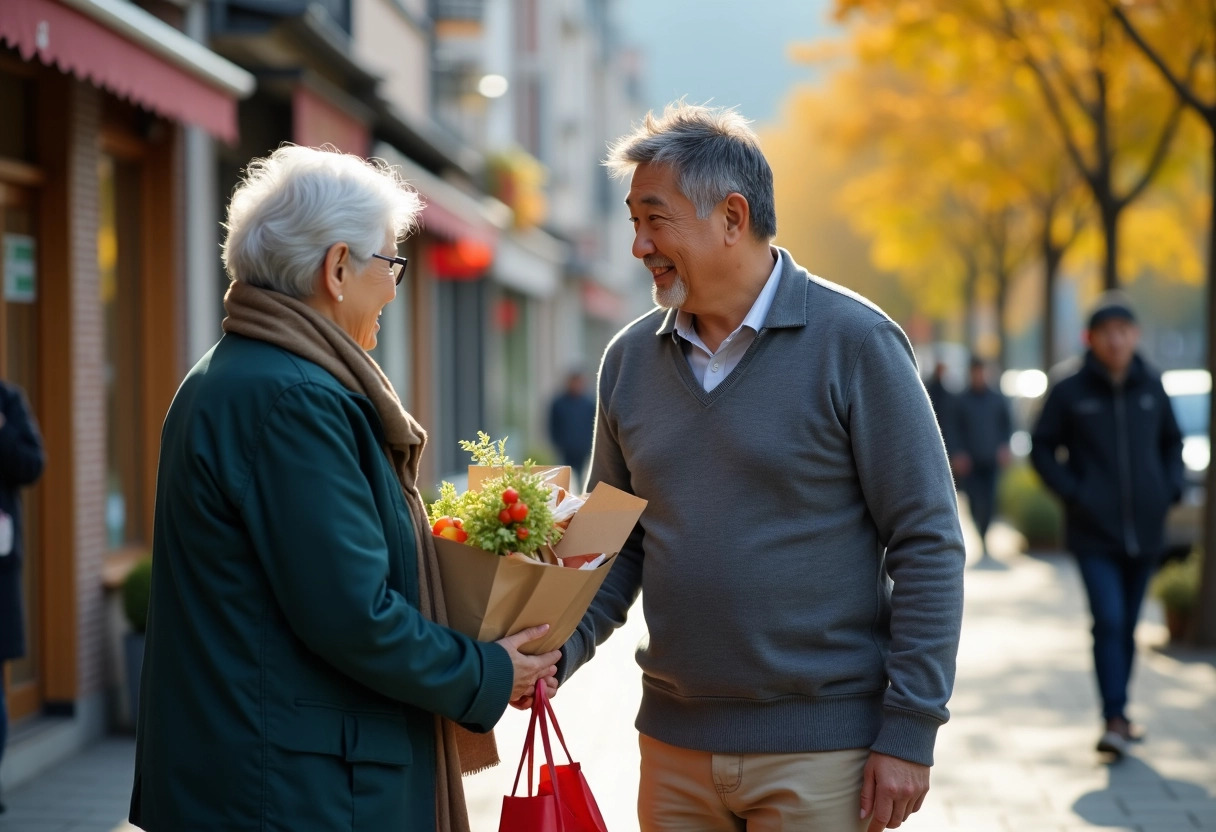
(399, 261)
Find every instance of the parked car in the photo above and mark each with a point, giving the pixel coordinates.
(1189, 392)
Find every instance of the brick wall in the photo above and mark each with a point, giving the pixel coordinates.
(88, 387)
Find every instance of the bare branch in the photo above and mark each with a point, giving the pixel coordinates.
(1163, 141)
(1158, 157)
(1185, 91)
(1010, 30)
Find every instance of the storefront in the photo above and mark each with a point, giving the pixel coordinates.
(94, 97)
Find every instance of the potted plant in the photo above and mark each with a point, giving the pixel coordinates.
(1030, 508)
(1176, 586)
(136, 591)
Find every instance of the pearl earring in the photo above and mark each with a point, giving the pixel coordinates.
(339, 298)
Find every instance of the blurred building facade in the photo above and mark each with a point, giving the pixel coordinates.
(124, 126)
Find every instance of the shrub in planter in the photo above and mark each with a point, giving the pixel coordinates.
(1033, 510)
(136, 592)
(1176, 586)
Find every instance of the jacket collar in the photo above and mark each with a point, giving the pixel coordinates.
(1136, 371)
(789, 304)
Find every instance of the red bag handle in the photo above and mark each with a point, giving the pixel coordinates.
(526, 756)
(556, 728)
(540, 710)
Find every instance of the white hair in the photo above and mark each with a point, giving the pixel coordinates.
(294, 204)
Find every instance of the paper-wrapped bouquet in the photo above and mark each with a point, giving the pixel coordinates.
(519, 549)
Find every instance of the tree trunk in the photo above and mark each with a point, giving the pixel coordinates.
(969, 292)
(1052, 255)
(1205, 626)
(1002, 300)
(1110, 239)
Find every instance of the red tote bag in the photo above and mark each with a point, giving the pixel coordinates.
(563, 801)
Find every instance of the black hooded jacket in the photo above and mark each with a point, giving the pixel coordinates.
(1124, 458)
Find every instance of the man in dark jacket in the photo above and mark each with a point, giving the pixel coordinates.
(979, 445)
(1124, 470)
(21, 461)
(572, 424)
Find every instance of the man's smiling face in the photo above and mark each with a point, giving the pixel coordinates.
(669, 239)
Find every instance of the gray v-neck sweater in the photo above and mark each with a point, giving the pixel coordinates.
(800, 560)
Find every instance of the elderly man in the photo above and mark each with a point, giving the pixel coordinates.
(800, 557)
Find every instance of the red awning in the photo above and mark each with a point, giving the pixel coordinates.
(75, 43)
(317, 121)
(602, 303)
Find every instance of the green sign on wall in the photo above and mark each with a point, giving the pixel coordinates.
(20, 269)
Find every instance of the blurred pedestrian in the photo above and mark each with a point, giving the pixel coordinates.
(981, 429)
(572, 423)
(800, 556)
(1123, 471)
(942, 399)
(297, 675)
(21, 462)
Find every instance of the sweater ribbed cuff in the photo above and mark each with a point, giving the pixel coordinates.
(572, 657)
(907, 735)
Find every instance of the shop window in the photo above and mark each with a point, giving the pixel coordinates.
(118, 246)
(17, 123)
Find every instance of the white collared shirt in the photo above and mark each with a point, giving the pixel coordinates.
(711, 367)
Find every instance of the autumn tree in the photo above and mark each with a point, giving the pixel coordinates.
(963, 192)
(1110, 114)
(1178, 37)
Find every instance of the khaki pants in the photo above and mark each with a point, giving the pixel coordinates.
(698, 791)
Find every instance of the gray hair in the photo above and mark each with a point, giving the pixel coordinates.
(294, 204)
(713, 153)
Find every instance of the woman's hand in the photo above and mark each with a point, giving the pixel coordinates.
(529, 669)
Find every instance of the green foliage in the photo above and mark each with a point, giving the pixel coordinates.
(486, 452)
(136, 592)
(479, 510)
(1030, 507)
(1176, 585)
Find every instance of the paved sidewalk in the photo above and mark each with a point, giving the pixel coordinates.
(1017, 755)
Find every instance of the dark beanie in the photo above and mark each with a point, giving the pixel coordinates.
(1110, 307)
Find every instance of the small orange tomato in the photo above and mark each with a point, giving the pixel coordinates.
(443, 523)
(454, 533)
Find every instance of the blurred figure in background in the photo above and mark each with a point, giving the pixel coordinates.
(21, 461)
(980, 428)
(1124, 470)
(572, 425)
(943, 402)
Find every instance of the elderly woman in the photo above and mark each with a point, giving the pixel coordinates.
(297, 674)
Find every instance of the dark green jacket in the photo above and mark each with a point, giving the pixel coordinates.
(289, 680)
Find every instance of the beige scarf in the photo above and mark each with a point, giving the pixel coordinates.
(298, 328)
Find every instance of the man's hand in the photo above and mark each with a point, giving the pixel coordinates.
(891, 790)
(961, 463)
(524, 703)
(528, 669)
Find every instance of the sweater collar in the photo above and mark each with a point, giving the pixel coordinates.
(789, 304)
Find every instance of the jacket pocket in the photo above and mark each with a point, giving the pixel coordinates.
(354, 735)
